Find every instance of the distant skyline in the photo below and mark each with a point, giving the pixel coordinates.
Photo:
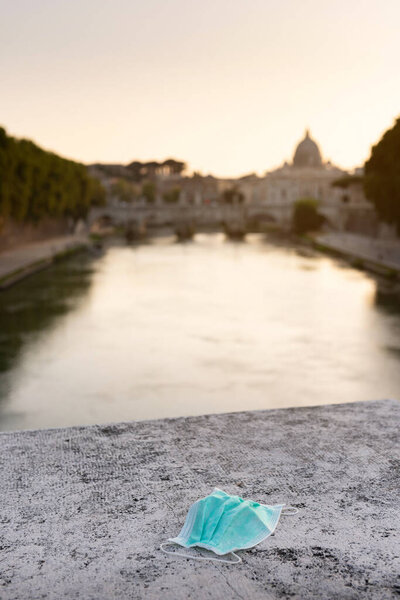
(228, 86)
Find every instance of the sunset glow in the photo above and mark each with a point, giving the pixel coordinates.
(228, 86)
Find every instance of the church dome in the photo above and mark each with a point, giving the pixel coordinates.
(307, 153)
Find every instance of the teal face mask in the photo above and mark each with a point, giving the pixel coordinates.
(223, 523)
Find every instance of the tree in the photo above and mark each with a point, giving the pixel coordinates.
(172, 196)
(382, 176)
(35, 183)
(176, 166)
(149, 191)
(136, 170)
(124, 190)
(306, 216)
(140, 171)
(232, 196)
(97, 193)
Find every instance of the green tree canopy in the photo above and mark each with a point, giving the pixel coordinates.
(124, 190)
(232, 196)
(149, 191)
(141, 171)
(306, 216)
(35, 183)
(382, 176)
(172, 196)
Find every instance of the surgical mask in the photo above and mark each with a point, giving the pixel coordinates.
(223, 523)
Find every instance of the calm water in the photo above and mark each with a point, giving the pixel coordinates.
(166, 329)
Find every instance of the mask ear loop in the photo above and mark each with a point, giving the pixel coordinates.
(289, 510)
(220, 560)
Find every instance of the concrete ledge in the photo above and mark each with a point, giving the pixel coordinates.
(85, 509)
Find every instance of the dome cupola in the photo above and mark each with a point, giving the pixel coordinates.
(307, 153)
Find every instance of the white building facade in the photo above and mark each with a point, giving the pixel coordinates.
(307, 176)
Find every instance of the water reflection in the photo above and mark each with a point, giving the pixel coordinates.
(387, 296)
(32, 307)
(165, 329)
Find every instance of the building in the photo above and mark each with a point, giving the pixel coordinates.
(309, 176)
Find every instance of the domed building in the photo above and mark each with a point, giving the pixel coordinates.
(307, 153)
(307, 176)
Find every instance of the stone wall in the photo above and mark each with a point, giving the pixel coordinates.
(14, 234)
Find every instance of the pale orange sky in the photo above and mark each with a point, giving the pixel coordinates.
(226, 85)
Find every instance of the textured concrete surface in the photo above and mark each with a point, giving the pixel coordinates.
(84, 509)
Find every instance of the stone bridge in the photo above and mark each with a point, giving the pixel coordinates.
(202, 216)
(166, 215)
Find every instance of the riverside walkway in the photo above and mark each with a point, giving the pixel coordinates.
(384, 253)
(85, 509)
(24, 260)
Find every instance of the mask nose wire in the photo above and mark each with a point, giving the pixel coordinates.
(220, 560)
(289, 510)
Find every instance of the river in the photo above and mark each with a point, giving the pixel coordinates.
(165, 329)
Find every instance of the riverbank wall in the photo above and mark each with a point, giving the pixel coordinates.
(85, 509)
(13, 235)
(379, 256)
(21, 262)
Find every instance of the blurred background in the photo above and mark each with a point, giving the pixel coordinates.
(199, 207)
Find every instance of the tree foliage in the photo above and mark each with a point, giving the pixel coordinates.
(172, 196)
(382, 176)
(149, 191)
(125, 190)
(35, 183)
(232, 196)
(306, 216)
(141, 171)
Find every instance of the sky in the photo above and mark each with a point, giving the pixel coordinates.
(229, 86)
